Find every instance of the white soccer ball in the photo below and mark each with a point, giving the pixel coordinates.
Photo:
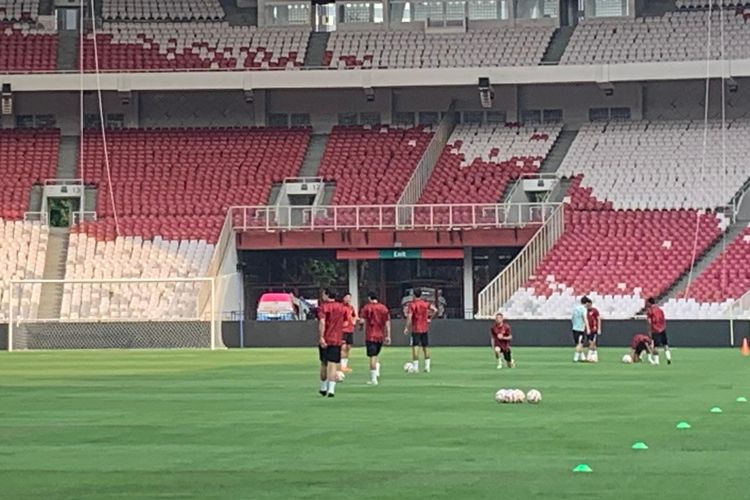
(340, 376)
(627, 359)
(534, 396)
(500, 396)
(410, 368)
(519, 396)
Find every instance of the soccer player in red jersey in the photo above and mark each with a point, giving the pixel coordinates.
(418, 315)
(657, 325)
(501, 336)
(351, 322)
(377, 322)
(331, 318)
(639, 344)
(594, 320)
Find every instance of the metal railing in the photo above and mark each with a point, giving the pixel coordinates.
(449, 217)
(514, 276)
(427, 162)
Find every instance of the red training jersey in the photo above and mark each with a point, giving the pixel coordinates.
(498, 332)
(376, 316)
(420, 315)
(656, 319)
(592, 316)
(334, 314)
(349, 322)
(639, 338)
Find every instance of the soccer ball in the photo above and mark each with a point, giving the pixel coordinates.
(500, 396)
(534, 396)
(340, 376)
(627, 359)
(519, 396)
(410, 368)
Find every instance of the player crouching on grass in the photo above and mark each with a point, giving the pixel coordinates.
(331, 318)
(501, 336)
(377, 321)
(418, 315)
(594, 320)
(639, 344)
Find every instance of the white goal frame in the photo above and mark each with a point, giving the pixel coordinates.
(206, 310)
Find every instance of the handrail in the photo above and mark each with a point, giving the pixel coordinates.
(360, 217)
(522, 267)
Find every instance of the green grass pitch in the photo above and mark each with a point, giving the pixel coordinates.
(250, 425)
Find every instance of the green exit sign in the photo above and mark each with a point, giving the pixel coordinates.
(407, 253)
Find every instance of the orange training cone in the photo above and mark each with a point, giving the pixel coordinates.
(745, 349)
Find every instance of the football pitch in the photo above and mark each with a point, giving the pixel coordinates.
(250, 425)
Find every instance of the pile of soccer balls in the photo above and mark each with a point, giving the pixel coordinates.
(518, 396)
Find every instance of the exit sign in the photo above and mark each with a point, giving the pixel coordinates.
(399, 253)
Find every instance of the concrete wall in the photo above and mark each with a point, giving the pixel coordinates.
(476, 333)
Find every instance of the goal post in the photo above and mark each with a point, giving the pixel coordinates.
(137, 313)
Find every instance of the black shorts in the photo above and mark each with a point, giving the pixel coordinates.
(578, 337)
(592, 336)
(420, 339)
(660, 339)
(642, 346)
(349, 338)
(373, 348)
(330, 354)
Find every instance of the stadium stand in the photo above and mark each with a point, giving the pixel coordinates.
(725, 279)
(409, 49)
(133, 257)
(480, 161)
(156, 46)
(27, 157)
(149, 10)
(371, 166)
(658, 165)
(22, 255)
(617, 257)
(675, 36)
(24, 48)
(18, 10)
(178, 183)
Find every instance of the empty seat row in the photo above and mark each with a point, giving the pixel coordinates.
(146, 10)
(18, 10)
(27, 49)
(23, 247)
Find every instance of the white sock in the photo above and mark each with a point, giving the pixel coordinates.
(578, 356)
(656, 359)
(499, 361)
(668, 354)
(377, 368)
(344, 362)
(331, 387)
(427, 364)
(416, 364)
(324, 385)
(373, 376)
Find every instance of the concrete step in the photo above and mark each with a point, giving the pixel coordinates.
(328, 191)
(557, 45)
(558, 152)
(316, 48)
(54, 268)
(67, 50)
(89, 204)
(273, 196)
(67, 158)
(315, 150)
(35, 199)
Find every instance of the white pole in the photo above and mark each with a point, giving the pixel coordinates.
(468, 284)
(213, 314)
(353, 283)
(10, 319)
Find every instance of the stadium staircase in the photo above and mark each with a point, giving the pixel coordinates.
(313, 155)
(67, 157)
(67, 50)
(35, 198)
(557, 45)
(316, 49)
(239, 16)
(558, 152)
(54, 268)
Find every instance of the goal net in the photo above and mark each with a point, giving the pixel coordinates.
(114, 314)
